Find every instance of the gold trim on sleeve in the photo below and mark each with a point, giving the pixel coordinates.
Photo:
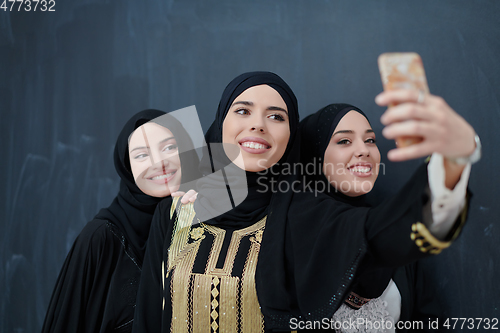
(425, 241)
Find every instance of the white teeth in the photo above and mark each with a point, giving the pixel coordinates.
(361, 169)
(253, 145)
(163, 176)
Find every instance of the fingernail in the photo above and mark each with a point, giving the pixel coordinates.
(378, 99)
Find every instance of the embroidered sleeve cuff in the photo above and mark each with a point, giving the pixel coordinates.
(427, 242)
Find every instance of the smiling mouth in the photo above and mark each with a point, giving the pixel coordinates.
(254, 145)
(163, 178)
(361, 170)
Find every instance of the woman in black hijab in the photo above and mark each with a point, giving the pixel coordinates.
(97, 286)
(201, 271)
(327, 141)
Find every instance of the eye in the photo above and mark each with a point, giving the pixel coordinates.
(242, 111)
(371, 140)
(277, 116)
(169, 148)
(140, 156)
(344, 142)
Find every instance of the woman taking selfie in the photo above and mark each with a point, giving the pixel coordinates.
(339, 141)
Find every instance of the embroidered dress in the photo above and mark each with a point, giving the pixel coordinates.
(221, 296)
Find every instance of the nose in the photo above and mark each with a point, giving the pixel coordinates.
(361, 150)
(258, 125)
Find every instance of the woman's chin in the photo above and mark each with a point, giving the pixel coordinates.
(165, 191)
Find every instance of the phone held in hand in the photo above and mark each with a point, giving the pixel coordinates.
(403, 70)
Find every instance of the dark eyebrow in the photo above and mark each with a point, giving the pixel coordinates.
(345, 131)
(165, 140)
(271, 108)
(138, 148)
(243, 102)
(277, 108)
(352, 132)
(144, 147)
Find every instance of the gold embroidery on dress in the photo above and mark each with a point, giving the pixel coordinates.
(197, 233)
(215, 304)
(251, 316)
(214, 295)
(219, 235)
(181, 278)
(201, 302)
(175, 201)
(180, 235)
(228, 313)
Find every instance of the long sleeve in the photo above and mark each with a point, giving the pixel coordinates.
(148, 312)
(445, 204)
(395, 229)
(328, 240)
(79, 296)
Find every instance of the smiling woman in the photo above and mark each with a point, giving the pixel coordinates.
(258, 122)
(352, 158)
(154, 159)
(339, 138)
(97, 286)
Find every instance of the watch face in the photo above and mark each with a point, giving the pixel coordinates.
(476, 155)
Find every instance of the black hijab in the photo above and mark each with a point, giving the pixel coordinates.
(316, 131)
(250, 192)
(132, 210)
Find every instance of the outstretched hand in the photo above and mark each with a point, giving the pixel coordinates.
(442, 129)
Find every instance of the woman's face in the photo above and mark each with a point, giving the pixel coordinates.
(154, 159)
(258, 123)
(351, 161)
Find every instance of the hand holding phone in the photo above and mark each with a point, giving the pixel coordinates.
(403, 71)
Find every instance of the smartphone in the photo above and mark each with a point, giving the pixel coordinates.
(403, 70)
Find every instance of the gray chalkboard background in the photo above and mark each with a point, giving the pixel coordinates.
(71, 78)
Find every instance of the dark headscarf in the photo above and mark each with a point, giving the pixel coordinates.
(255, 205)
(316, 131)
(132, 210)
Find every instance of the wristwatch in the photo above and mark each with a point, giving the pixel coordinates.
(472, 158)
